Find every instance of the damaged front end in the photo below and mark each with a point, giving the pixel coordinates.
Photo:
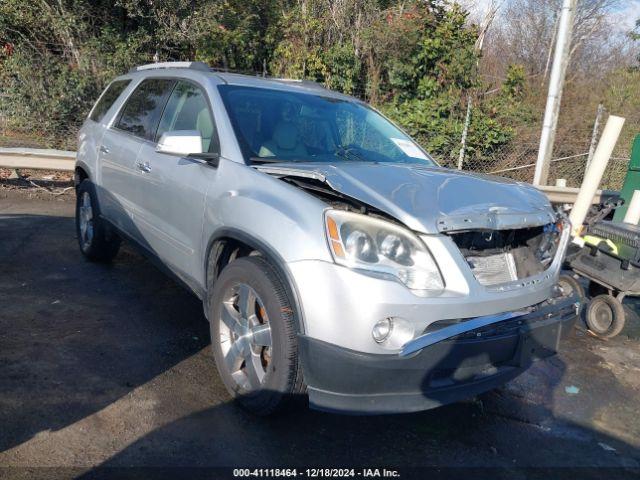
(505, 236)
(440, 367)
(502, 256)
(489, 255)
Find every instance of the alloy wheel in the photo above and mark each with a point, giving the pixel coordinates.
(245, 336)
(85, 215)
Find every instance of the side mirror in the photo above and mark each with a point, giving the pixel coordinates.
(180, 142)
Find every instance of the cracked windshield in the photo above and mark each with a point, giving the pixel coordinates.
(275, 126)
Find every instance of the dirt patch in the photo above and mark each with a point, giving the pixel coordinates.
(37, 183)
(623, 359)
(41, 175)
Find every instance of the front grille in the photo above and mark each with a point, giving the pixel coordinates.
(493, 269)
(501, 256)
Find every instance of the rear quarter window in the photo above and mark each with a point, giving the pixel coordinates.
(107, 99)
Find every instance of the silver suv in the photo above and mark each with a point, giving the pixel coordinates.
(333, 256)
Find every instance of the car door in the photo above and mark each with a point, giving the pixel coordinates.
(116, 160)
(111, 166)
(134, 127)
(173, 190)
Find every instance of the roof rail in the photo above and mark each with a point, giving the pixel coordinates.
(191, 65)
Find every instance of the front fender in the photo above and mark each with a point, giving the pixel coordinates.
(284, 223)
(288, 220)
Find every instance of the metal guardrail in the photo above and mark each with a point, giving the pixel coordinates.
(34, 158)
(569, 194)
(37, 159)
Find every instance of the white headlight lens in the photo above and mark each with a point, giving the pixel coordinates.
(360, 245)
(364, 242)
(395, 248)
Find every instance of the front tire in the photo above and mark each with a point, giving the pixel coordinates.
(98, 243)
(253, 336)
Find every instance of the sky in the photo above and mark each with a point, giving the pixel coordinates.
(625, 14)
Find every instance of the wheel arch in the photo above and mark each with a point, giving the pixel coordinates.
(222, 245)
(80, 173)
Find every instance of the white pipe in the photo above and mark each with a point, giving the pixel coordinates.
(633, 211)
(594, 173)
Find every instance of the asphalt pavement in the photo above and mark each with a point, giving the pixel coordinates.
(107, 367)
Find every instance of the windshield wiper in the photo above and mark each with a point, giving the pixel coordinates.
(267, 160)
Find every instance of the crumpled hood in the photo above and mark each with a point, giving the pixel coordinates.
(430, 199)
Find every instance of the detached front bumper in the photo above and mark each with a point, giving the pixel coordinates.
(470, 362)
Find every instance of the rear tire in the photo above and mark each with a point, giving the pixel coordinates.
(97, 241)
(254, 337)
(605, 316)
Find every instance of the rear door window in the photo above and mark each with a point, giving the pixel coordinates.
(107, 99)
(188, 109)
(142, 110)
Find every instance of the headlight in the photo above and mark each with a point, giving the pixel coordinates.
(363, 242)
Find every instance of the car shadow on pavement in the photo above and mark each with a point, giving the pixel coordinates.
(76, 336)
(524, 429)
(461, 439)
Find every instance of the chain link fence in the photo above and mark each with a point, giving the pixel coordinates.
(570, 156)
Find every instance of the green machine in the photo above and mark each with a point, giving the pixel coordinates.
(631, 181)
(609, 260)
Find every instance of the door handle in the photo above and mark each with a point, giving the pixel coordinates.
(104, 149)
(143, 166)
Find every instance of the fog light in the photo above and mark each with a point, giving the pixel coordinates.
(382, 329)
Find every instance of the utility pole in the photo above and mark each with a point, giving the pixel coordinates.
(556, 82)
